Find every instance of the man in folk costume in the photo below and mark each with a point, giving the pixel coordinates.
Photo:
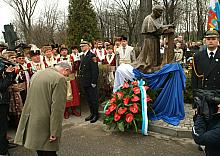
(26, 50)
(55, 51)
(100, 52)
(73, 100)
(35, 64)
(95, 46)
(48, 58)
(23, 77)
(126, 53)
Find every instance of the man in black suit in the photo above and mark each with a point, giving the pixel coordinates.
(206, 66)
(88, 74)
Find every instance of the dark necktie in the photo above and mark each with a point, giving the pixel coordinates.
(124, 50)
(64, 59)
(211, 56)
(110, 56)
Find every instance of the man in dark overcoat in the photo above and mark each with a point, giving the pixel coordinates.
(206, 64)
(88, 74)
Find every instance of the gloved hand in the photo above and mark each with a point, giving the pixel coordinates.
(93, 85)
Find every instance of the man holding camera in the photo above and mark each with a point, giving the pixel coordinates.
(206, 129)
(6, 79)
(206, 86)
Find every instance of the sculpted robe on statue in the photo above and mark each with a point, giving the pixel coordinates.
(150, 58)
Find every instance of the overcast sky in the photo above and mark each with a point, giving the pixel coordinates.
(7, 14)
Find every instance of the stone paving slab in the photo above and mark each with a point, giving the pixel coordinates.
(183, 130)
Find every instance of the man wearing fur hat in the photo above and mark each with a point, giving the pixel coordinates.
(35, 64)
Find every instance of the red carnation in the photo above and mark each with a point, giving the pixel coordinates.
(129, 117)
(107, 112)
(113, 100)
(126, 100)
(136, 90)
(135, 98)
(146, 87)
(120, 95)
(134, 83)
(134, 108)
(117, 117)
(112, 107)
(125, 85)
(122, 110)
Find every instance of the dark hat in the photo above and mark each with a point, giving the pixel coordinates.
(124, 38)
(211, 33)
(54, 46)
(84, 43)
(20, 54)
(34, 52)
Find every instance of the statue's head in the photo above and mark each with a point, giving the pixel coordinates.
(158, 10)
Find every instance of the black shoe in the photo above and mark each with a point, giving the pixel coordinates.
(12, 145)
(94, 119)
(90, 117)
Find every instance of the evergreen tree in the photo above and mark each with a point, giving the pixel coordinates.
(82, 22)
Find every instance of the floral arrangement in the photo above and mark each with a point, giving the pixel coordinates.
(124, 110)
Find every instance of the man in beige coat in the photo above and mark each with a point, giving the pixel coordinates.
(40, 125)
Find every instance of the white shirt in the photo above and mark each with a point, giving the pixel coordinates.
(86, 53)
(214, 51)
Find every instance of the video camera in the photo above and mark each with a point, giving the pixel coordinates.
(4, 63)
(206, 101)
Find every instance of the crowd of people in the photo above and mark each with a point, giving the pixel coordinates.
(86, 62)
(27, 60)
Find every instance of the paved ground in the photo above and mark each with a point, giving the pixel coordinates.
(93, 140)
(81, 139)
(182, 130)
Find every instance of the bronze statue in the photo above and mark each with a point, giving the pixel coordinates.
(149, 58)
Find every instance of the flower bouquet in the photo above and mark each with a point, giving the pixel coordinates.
(124, 110)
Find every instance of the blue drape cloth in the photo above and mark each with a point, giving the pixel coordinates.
(169, 105)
